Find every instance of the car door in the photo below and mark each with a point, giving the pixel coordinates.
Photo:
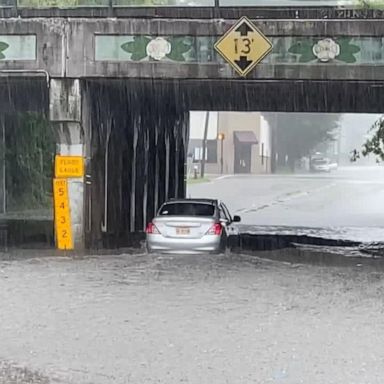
(224, 220)
(231, 228)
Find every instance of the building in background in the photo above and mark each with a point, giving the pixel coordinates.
(237, 142)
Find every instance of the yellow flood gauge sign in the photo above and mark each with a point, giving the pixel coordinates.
(69, 166)
(63, 228)
(244, 46)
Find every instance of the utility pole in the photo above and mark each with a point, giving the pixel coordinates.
(273, 128)
(221, 137)
(222, 157)
(202, 172)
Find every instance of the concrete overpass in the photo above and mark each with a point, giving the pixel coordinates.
(67, 47)
(127, 112)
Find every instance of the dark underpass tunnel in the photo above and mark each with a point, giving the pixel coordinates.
(27, 147)
(136, 136)
(137, 142)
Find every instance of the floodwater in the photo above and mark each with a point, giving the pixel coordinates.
(189, 319)
(138, 318)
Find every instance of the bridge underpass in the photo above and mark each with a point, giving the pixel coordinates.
(101, 98)
(81, 320)
(136, 133)
(148, 130)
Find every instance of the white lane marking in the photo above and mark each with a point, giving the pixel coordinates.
(285, 198)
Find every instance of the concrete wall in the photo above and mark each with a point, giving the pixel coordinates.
(66, 48)
(65, 52)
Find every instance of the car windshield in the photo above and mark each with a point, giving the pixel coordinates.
(187, 209)
(320, 162)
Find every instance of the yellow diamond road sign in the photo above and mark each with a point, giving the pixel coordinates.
(243, 46)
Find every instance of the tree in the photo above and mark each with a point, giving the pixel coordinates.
(202, 171)
(29, 154)
(297, 134)
(80, 3)
(370, 4)
(373, 145)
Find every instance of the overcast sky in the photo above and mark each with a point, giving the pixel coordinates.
(355, 124)
(197, 124)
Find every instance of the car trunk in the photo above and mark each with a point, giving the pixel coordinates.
(184, 226)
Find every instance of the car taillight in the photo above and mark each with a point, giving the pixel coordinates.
(216, 230)
(152, 229)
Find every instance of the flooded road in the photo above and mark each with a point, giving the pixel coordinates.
(189, 319)
(350, 197)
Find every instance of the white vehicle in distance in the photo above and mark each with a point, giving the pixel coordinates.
(333, 166)
(191, 226)
(320, 165)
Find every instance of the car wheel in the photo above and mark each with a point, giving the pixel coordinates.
(147, 249)
(223, 244)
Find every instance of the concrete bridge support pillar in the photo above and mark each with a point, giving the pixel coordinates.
(65, 113)
(137, 137)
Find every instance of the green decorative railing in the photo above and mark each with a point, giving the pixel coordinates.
(200, 50)
(370, 4)
(291, 50)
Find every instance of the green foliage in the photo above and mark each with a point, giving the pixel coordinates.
(29, 155)
(179, 47)
(375, 144)
(82, 3)
(60, 3)
(367, 4)
(347, 50)
(370, 4)
(304, 48)
(143, 2)
(138, 48)
(3, 47)
(297, 134)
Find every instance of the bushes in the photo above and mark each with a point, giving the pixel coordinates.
(371, 4)
(29, 156)
(90, 3)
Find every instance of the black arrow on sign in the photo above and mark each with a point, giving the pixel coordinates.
(244, 29)
(243, 63)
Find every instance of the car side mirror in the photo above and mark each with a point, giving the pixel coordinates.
(236, 219)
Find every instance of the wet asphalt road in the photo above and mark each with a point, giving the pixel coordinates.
(348, 197)
(189, 319)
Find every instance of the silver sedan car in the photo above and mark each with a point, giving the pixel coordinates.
(191, 226)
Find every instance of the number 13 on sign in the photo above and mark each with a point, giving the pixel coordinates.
(243, 46)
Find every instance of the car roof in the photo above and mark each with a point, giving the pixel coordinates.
(202, 201)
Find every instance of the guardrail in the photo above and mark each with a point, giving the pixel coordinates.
(67, 4)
